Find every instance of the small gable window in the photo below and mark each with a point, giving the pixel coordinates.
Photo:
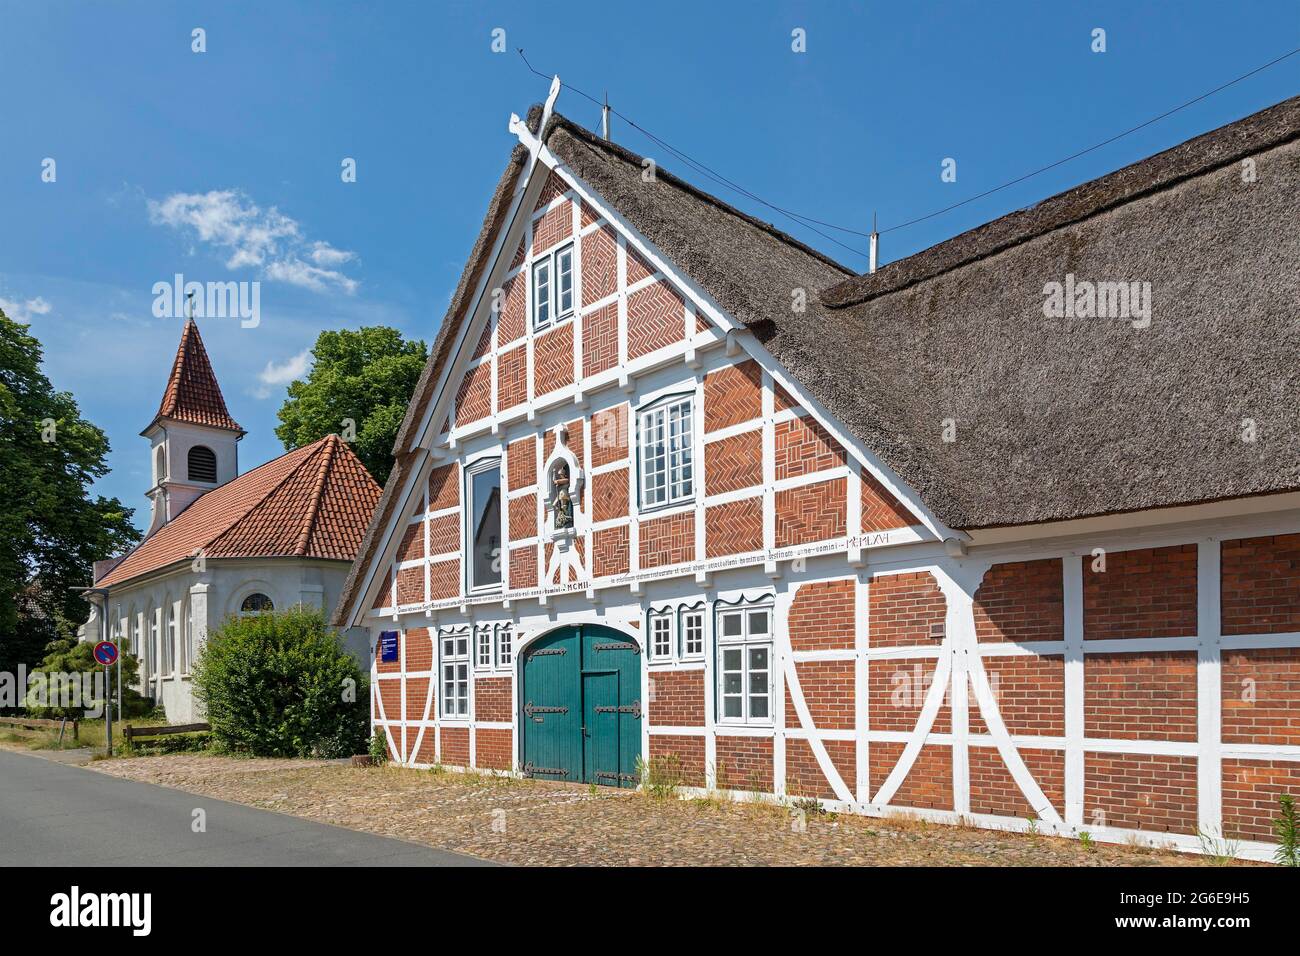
(553, 287)
(542, 292)
(257, 603)
(564, 282)
(202, 464)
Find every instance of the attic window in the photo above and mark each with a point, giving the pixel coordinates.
(553, 287)
(202, 464)
(542, 292)
(564, 281)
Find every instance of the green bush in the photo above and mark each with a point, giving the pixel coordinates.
(1287, 828)
(281, 685)
(379, 748)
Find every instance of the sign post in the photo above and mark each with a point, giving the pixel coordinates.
(106, 654)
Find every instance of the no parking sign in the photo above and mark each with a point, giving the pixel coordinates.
(106, 653)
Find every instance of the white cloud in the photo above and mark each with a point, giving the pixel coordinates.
(24, 312)
(323, 254)
(293, 270)
(255, 237)
(274, 375)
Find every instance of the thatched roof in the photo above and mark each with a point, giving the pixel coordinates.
(1054, 418)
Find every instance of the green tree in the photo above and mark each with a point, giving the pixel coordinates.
(51, 528)
(281, 685)
(70, 656)
(366, 376)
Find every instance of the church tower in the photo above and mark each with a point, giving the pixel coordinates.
(194, 441)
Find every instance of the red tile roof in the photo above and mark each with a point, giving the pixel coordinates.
(192, 393)
(314, 502)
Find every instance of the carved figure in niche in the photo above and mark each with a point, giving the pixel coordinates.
(562, 504)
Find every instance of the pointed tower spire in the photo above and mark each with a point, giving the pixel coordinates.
(194, 438)
(192, 394)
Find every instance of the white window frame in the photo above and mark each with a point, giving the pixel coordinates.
(505, 658)
(484, 639)
(746, 642)
(548, 293)
(543, 293)
(259, 593)
(169, 641)
(472, 470)
(155, 614)
(658, 415)
(696, 614)
(659, 634)
(562, 312)
(454, 674)
(187, 637)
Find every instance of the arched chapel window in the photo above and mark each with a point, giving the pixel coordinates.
(257, 603)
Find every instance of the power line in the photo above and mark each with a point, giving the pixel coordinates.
(809, 222)
(704, 170)
(1105, 142)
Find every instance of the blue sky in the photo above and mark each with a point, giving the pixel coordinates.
(225, 165)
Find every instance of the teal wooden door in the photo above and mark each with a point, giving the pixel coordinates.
(600, 727)
(551, 712)
(607, 652)
(580, 707)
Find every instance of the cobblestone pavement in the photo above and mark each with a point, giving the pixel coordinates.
(539, 823)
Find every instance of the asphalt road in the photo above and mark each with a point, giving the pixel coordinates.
(57, 815)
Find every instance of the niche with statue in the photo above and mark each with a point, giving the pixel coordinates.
(563, 490)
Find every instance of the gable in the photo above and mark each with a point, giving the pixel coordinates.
(635, 324)
(623, 310)
(638, 319)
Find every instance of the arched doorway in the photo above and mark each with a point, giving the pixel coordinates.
(580, 706)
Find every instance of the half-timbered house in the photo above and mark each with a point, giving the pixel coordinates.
(679, 494)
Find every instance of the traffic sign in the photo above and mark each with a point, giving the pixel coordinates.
(106, 653)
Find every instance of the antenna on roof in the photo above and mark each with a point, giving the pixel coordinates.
(875, 245)
(604, 118)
